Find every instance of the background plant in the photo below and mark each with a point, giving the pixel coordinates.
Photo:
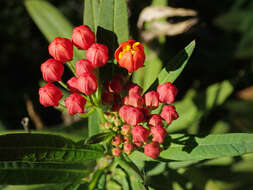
(204, 117)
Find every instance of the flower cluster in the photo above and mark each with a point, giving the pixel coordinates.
(130, 114)
(84, 83)
(132, 120)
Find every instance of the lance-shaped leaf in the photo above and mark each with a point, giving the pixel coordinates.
(173, 69)
(51, 23)
(21, 173)
(112, 24)
(184, 148)
(48, 19)
(42, 187)
(44, 148)
(91, 13)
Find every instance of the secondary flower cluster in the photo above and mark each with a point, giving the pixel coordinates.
(84, 81)
(132, 120)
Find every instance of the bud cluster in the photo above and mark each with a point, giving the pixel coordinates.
(130, 113)
(133, 122)
(84, 83)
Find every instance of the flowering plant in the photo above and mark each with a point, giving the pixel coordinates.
(128, 120)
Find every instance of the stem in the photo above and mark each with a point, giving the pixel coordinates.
(85, 115)
(101, 114)
(63, 85)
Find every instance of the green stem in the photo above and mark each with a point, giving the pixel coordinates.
(85, 115)
(101, 114)
(63, 85)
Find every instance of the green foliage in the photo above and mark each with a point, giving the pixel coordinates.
(49, 20)
(45, 148)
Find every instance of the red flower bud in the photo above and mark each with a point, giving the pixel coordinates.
(152, 99)
(61, 49)
(130, 55)
(158, 133)
(83, 37)
(50, 95)
(133, 88)
(167, 92)
(169, 113)
(140, 134)
(134, 100)
(75, 103)
(146, 112)
(115, 86)
(83, 66)
(107, 98)
(126, 139)
(97, 54)
(116, 152)
(125, 129)
(87, 83)
(152, 149)
(116, 141)
(128, 148)
(52, 70)
(73, 85)
(155, 119)
(131, 115)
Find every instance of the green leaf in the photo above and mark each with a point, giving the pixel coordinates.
(216, 94)
(93, 124)
(99, 138)
(52, 24)
(136, 178)
(95, 179)
(186, 148)
(211, 146)
(44, 148)
(91, 13)
(174, 68)
(42, 187)
(20, 173)
(146, 75)
(48, 19)
(113, 23)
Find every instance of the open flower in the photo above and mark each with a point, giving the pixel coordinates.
(130, 55)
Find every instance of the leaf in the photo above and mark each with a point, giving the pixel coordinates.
(44, 148)
(52, 24)
(146, 75)
(48, 19)
(95, 179)
(19, 173)
(42, 187)
(216, 94)
(176, 65)
(93, 124)
(136, 178)
(211, 146)
(186, 148)
(98, 138)
(113, 24)
(91, 13)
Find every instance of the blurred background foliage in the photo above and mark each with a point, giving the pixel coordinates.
(215, 88)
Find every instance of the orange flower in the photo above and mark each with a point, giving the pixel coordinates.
(130, 55)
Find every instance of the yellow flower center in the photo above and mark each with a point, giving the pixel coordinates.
(128, 48)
